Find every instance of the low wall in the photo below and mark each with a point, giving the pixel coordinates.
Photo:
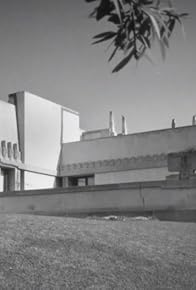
(130, 197)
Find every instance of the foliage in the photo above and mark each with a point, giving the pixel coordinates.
(138, 23)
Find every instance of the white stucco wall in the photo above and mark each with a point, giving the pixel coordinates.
(42, 132)
(38, 181)
(71, 127)
(133, 145)
(150, 174)
(1, 181)
(8, 124)
(45, 129)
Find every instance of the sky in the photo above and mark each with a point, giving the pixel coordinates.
(45, 48)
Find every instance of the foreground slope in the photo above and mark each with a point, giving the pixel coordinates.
(66, 253)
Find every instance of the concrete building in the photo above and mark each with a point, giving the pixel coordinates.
(42, 146)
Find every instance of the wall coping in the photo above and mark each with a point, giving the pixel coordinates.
(163, 184)
(139, 133)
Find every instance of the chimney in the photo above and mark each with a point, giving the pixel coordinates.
(194, 120)
(111, 124)
(124, 126)
(173, 125)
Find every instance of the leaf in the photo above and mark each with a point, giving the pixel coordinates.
(163, 23)
(154, 22)
(113, 54)
(145, 41)
(128, 45)
(156, 26)
(104, 9)
(145, 26)
(114, 19)
(93, 13)
(123, 62)
(149, 57)
(171, 26)
(158, 3)
(138, 23)
(103, 34)
(165, 41)
(147, 2)
(163, 50)
(107, 37)
(117, 6)
(182, 27)
(183, 14)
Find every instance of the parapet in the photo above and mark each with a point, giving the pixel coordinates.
(96, 134)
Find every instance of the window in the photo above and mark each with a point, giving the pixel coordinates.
(81, 180)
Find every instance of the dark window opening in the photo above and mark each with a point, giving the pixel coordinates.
(81, 180)
(5, 179)
(59, 182)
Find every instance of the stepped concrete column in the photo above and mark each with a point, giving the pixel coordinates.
(194, 120)
(173, 124)
(124, 126)
(111, 124)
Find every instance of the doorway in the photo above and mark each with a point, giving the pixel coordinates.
(5, 179)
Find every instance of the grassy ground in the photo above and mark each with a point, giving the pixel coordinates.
(38, 252)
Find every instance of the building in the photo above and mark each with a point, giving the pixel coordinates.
(42, 146)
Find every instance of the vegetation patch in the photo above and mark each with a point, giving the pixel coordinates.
(39, 252)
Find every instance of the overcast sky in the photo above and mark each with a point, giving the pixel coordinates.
(46, 49)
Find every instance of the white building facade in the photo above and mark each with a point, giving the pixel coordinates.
(32, 131)
(42, 146)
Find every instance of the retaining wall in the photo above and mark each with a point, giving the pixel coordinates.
(130, 197)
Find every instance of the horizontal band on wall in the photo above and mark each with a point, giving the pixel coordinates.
(111, 165)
